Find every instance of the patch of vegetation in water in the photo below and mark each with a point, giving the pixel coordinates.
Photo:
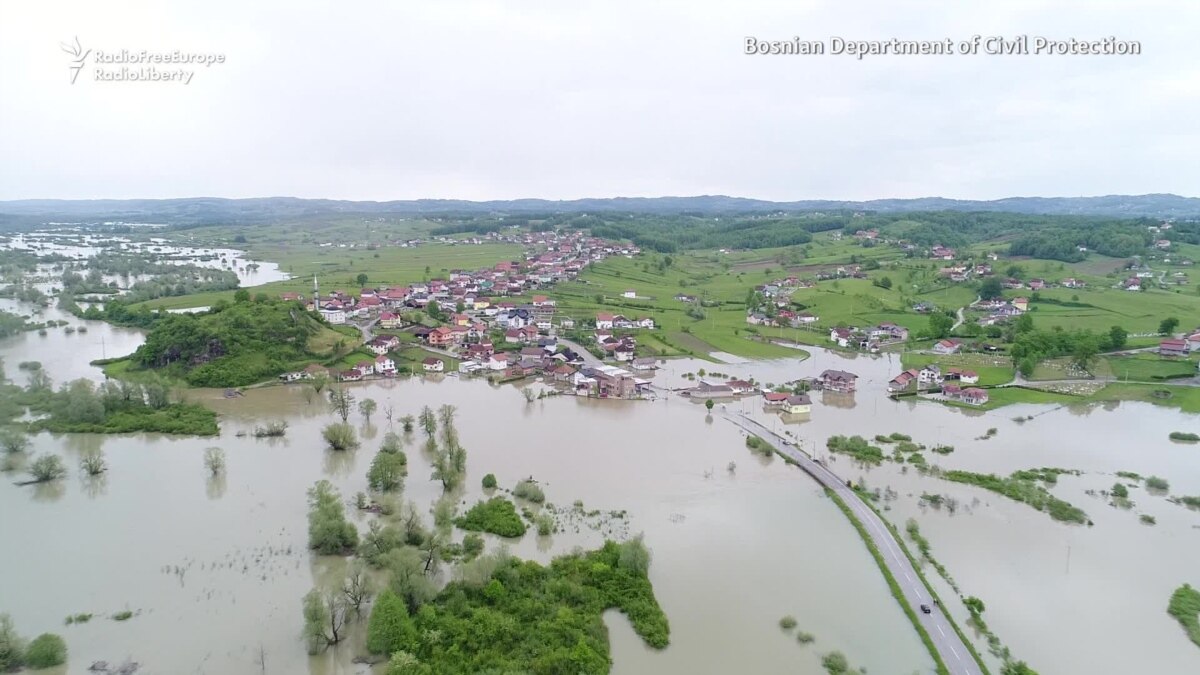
(1185, 607)
(496, 515)
(526, 617)
(1185, 436)
(1023, 487)
(113, 407)
(857, 447)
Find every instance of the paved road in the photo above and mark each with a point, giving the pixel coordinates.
(954, 653)
(588, 357)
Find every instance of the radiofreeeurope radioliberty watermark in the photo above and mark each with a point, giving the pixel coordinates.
(137, 65)
(986, 45)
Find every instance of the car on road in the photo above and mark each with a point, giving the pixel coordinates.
(926, 609)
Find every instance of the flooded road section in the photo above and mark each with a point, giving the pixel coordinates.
(214, 569)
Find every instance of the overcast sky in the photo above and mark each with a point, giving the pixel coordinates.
(497, 100)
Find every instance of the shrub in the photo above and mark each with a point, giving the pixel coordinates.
(805, 638)
(124, 615)
(46, 651)
(1185, 436)
(340, 436)
(272, 429)
(214, 459)
(1185, 607)
(47, 468)
(835, 663)
(489, 481)
(391, 443)
(497, 515)
(12, 647)
(387, 471)
(329, 532)
(1120, 491)
(390, 628)
(92, 462)
(529, 491)
(1147, 519)
(472, 545)
(788, 622)
(13, 441)
(1156, 483)
(545, 524)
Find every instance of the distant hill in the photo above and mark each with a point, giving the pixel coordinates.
(206, 210)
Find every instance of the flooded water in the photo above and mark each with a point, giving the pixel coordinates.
(81, 246)
(64, 355)
(215, 569)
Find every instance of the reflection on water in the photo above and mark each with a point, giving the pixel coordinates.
(93, 486)
(216, 485)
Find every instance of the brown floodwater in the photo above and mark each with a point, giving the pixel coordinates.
(215, 569)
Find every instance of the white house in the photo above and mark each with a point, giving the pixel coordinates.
(384, 365)
(946, 347)
(433, 365)
(333, 316)
(629, 294)
(798, 404)
(930, 374)
(604, 320)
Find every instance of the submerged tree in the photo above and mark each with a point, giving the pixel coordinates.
(47, 468)
(366, 408)
(13, 441)
(428, 421)
(342, 401)
(328, 530)
(324, 619)
(214, 460)
(92, 462)
(340, 436)
(357, 586)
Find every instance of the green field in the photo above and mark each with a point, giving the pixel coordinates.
(337, 268)
(723, 282)
(1151, 367)
(1186, 399)
(1102, 308)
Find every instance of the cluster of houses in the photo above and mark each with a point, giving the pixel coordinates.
(1180, 347)
(965, 272)
(792, 403)
(550, 258)
(999, 311)
(869, 339)
(930, 377)
(950, 382)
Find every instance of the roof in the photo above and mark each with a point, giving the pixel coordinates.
(431, 361)
(838, 375)
(776, 395)
(799, 399)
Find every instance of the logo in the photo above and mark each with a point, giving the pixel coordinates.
(80, 57)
